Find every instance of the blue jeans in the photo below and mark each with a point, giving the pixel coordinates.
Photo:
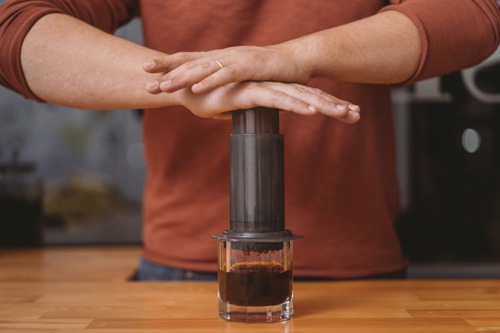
(149, 271)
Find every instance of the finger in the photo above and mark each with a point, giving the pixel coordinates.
(168, 63)
(336, 107)
(188, 74)
(219, 78)
(353, 111)
(153, 87)
(324, 102)
(271, 98)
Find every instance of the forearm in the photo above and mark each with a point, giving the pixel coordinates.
(384, 48)
(80, 66)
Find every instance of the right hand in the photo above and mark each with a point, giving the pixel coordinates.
(289, 97)
(287, 62)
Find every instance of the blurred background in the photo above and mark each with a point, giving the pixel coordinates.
(75, 177)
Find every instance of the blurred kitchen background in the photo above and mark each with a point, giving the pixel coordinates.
(77, 177)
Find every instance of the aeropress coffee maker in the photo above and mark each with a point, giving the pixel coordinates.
(255, 254)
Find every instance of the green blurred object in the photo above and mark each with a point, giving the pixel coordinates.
(76, 137)
(80, 201)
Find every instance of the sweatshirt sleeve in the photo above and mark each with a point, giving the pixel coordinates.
(18, 16)
(455, 34)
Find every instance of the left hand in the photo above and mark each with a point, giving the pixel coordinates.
(202, 73)
(290, 97)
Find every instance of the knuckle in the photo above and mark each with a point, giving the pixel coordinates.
(190, 64)
(276, 94)
(178, 78)
(276, 98)
(301, 90)
(211, 81)
(318, 91)
(229, 72)
(344, 113)
(165, 77)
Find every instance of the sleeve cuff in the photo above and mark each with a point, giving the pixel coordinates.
(21, 28)
(423, 40)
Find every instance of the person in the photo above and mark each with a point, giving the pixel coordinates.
(340, 170)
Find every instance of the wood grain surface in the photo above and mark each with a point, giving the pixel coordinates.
(67, 290)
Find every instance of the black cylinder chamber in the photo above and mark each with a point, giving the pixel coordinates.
(257, 172)
(257, 189)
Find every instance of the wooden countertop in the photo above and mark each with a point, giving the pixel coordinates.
(65, 290)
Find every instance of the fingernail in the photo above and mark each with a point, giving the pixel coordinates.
(341, 107)
(165, 84)
(353, 114)
(311, 108)
(353, 107)
(148, 65)
(152, 85)
(197, 86)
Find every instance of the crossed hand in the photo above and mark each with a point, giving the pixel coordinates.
(246, 77)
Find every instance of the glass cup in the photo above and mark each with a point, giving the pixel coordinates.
(255, 281)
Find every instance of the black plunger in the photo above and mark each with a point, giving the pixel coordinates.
(257, 180)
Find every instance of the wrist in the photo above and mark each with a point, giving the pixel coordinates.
(297, 58)
(306, 53)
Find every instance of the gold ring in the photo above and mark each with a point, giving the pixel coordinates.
(219, 63)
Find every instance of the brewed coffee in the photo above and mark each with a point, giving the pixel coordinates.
(255, 284)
